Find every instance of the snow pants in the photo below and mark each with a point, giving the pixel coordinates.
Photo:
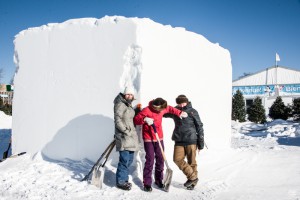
(153, 152)
(189, 168)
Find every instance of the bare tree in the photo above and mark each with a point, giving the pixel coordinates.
(1, 74)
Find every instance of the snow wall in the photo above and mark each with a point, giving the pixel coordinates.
(68, 75)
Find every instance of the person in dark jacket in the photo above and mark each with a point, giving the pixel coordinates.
(125, 135)
(188, 136)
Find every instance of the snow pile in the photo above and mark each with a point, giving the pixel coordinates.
(76, 68)
(5, 132)
(5, 121)
(270, 134)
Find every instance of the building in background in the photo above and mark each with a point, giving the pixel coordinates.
(269, 84)
(6, 93)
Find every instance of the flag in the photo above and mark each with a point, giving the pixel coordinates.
(277, 57)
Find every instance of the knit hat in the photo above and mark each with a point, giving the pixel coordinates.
(129, 90)
(159, 104)
(182, 99)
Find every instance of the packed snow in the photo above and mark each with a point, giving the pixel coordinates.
(5, 122)
(76, 69)
(263, 163)
(5, 132)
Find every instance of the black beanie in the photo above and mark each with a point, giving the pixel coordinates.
(181, 99)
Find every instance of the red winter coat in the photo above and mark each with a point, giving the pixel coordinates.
(148, 132)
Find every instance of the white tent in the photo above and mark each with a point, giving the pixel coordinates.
(270, 76)
(268, 84)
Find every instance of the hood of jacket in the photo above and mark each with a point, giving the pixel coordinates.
(159, 108)
(120, 98)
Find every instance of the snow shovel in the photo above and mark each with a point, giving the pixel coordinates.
(13, 156)
(97, 179)
(98, 172)
(5, 153)
(169, 172)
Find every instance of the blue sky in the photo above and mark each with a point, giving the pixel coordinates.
(252, 30)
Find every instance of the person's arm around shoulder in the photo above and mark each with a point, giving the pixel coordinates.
(168, 115)
(176, 111)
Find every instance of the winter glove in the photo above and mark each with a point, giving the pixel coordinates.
(183, 115)
(200, 143)
(148, 120)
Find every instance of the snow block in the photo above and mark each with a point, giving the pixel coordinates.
(68, 75)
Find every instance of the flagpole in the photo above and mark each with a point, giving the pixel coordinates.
(276, 59)
(276, 69)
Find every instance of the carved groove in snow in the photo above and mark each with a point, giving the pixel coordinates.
(132, 68)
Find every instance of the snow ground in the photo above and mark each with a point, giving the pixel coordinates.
(263, 163)
(5, 132)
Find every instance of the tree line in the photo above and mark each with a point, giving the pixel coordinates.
(256, 112)
(6, 108)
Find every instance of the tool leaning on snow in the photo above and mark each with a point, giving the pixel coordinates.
(169, 172)
(13, 156)
(5, 153)
(96, 174)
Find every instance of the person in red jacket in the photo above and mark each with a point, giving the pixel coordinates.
(153, 114)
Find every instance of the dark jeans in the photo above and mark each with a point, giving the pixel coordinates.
(153, 151)
(125, 160)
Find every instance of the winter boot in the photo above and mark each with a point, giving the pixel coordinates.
(190, 187)
(124, 186)
(159, 184)
(147, 188)
(188, 183)
(128, 183)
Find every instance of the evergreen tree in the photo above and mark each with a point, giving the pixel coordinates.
(238, 107)
(278, 110)
(296, 109)
(1, 103)
(7, 109)
(256, 112)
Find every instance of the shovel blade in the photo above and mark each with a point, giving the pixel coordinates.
(168, 179)
(97, 177)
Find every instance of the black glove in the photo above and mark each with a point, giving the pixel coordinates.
(200, 143)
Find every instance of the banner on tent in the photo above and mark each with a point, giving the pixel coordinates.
(290, 89)
(268, 90)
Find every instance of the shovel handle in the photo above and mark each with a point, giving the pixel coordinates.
(110, 146)
(109, 151)
(157, 138)
(160, 146)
